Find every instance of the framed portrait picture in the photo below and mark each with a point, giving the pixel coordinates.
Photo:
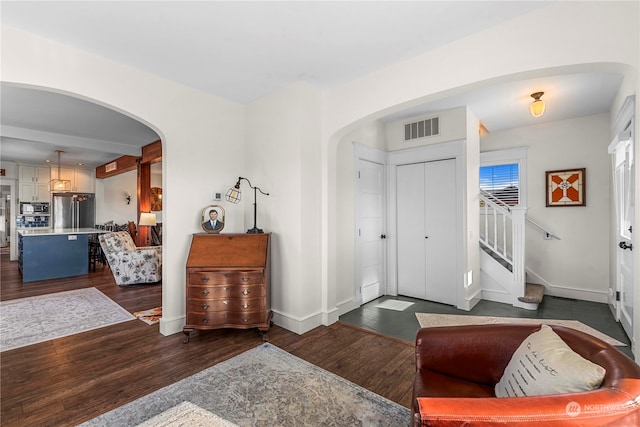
(566, 187)
(212, 220)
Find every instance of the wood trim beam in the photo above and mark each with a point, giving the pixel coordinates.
(152, 153)
(144, 201)
(122, 164)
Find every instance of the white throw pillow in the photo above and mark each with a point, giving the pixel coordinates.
(544, 364)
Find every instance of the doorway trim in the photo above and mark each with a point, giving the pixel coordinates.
(449, 150)
(620, 147)
(13, 254)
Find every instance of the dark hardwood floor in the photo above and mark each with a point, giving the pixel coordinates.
(70, 380)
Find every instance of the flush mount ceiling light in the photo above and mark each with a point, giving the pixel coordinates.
(537, 106)
(59, 184)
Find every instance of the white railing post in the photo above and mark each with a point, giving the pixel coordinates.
(518, 249)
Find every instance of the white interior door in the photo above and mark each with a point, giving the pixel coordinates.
(624, 195)
(371, 230)
(426, 230)
(440, 208)
(410, 205)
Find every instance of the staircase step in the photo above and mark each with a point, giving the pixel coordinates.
(533, 293)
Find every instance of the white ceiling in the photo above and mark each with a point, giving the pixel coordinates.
(244, 50)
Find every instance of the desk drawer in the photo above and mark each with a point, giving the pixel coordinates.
(244, 277)
(224, 291)
(227, 304)
(216, 318)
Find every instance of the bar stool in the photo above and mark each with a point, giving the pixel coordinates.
(95, 253)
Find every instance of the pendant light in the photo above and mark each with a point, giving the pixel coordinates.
(59, 184)
(537, 106)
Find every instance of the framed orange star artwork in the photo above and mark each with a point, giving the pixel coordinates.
(566, 187)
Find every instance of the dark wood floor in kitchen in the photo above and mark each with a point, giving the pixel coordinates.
(70, 380)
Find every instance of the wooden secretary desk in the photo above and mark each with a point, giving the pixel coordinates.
(228, 282)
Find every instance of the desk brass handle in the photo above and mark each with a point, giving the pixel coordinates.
(245, 279)
(245, 291)
(205, 320)
(204, 278)
(225, 302)
(205, 306)
(205, 293)
(245, 305)
(245, 319)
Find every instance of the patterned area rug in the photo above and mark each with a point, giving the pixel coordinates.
(186, 414)
(430, 320)
(27, 321)
(150, 317)
(267, 386)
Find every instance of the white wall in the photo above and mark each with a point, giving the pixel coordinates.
(111, 192)
(603, 37)
(577, 266)
(452, 128)
(194, 127)
(110, 195)
(283, 152)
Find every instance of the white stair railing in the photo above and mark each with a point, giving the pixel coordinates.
(502, 231)
(495, 224)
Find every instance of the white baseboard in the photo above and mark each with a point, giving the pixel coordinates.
(172, 326)
(299, 325)
(291, 323)
(471, 301)
(567, 292)
(345, 307)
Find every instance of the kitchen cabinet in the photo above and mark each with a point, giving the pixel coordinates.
(32, 192)
(33, 183)
(35, 174)
(84, 181)
(81, 179)
(50, 254)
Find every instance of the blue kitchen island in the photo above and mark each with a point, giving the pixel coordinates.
(53, 253)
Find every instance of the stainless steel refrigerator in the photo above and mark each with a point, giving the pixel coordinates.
(74, 210)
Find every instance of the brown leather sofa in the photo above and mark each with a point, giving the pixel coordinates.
(458, 367)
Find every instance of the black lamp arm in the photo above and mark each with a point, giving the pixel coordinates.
(254, 188)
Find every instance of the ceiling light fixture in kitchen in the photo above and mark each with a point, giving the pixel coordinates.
(59, 184)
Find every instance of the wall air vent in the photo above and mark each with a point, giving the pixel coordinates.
(111, 167)
(422, 129)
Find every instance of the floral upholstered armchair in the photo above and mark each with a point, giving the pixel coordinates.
(130, 264)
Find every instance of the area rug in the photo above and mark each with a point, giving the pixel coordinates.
(31, 320)
(266, 386)
(186, 414)
(394, 304)
(150, 317)
(433, 320)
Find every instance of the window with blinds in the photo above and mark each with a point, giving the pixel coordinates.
(502, 181)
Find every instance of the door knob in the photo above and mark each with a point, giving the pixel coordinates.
(623, 245)
(383, 236)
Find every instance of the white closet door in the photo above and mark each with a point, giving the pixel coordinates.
(426, 230)
(440, 208)
(410, 224)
